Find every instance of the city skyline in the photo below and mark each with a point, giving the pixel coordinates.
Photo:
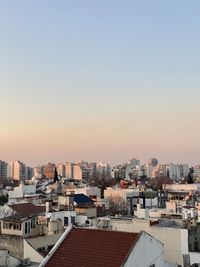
(99, 81)
(123, 162)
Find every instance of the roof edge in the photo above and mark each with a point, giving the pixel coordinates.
(56, 246)
(131, 249)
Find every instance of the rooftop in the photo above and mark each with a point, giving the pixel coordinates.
(82, 199)
(16, 218)
(28, 209)
(88, 247)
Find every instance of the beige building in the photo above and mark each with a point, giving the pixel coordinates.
(76, 172)
(68, 170)
(16, 170)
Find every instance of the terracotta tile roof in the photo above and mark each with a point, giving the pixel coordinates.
(28, 209)
(89, 248)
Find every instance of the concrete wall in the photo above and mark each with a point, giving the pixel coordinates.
(14, 244)
(194, 258)
(81, 219)
(89, 212)
(7, 260)
(174, 239)
(30, 252)
(43, 241)
(89, 191)
(22, 190)
(61, 215)
(147, 251)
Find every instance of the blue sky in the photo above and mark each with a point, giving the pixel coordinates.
(100, 80)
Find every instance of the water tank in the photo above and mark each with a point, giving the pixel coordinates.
(4, 258)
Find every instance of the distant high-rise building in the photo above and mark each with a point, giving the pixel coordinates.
(76, 172)
(149, 170)
(174, 172)
(184, 170)
(134, 162)
(102, 168)
(17, 170)
(197, 172)
(160, 170)
(61, 169)
(3, 170)
(68, 170)
(153, 161)
(49, 170)
(39, 171)
(10, 169)
(29, 172)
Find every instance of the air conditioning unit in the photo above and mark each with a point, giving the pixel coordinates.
(26, 262)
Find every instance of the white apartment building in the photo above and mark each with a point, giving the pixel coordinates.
(174, 172)
(175, 240)
(178, 171)
(20, 192)
(148, 170)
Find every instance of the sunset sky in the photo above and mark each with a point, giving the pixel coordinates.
(100, 80)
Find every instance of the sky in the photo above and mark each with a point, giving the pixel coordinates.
(99, 80)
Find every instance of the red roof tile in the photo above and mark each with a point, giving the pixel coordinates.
(28, 209)
(89, 248)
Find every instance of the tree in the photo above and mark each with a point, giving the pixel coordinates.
(159, 182)
(3, 199)
(102, 181)
(117, 205)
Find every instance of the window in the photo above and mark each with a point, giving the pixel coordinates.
(5, 225)
(65, 221)
(33, 223)
(72, 219)
(26, 228)
(152, 265)
(29, 227)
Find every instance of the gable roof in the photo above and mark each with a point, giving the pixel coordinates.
(89, 248)
(27, 209)
(82, 199)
